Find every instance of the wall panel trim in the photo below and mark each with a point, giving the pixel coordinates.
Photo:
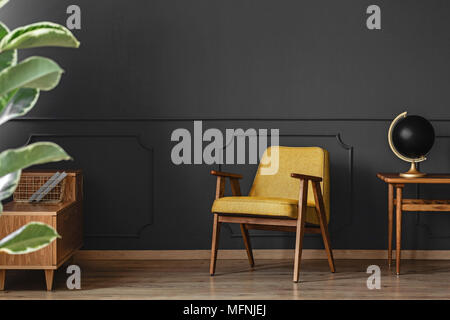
(202, 118)
(151, 199)
(349, 220)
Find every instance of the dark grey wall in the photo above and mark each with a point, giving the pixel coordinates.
(310, 68)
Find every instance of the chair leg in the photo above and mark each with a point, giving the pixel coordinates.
(248, 245)
(300, 231)
(327, 244)
(320, 210)
(215, 244)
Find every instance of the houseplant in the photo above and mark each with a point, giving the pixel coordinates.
(20, 86)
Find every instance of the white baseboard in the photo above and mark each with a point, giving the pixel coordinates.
(258, 254)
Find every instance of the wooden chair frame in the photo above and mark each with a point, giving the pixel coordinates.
(273, 223)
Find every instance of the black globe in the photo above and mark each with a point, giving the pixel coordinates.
(413, 136)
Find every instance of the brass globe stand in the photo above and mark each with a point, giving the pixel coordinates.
(412, 172)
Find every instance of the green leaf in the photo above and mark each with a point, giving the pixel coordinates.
(29, 238)
(8, 184)
(3, 2)
(21, 102)
(7, 59)
(4, 99)
(37, 153)
(35, 72)
(40, 34)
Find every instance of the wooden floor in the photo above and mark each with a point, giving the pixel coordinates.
(271, 279)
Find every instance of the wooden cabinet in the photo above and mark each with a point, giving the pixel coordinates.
(66, 217)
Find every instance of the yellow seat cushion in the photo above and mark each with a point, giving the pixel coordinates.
(265, 206)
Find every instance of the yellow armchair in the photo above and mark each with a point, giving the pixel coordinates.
(296, 194)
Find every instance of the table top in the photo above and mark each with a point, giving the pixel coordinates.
(19, 208)
(429, 178)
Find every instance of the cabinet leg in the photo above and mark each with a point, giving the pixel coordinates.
(2, 279)
(49, 279)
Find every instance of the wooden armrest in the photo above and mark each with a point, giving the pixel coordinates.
(306, 177)
(226, 174)
(220, 187)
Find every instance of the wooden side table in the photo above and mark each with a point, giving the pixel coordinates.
(66, 217)
(396, 182)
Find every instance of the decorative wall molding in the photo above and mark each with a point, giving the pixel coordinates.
(34, 136)
(431, 230)
(428, 229)
(202, 118)
(349, 149)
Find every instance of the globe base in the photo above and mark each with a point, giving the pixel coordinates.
(412, 172)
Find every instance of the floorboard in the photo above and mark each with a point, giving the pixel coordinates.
(271, 279)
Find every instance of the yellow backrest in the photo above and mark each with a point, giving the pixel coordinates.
(313, 161)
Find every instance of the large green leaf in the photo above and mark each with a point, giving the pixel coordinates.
(37, 153)
(21, 102)
(4, 99)
(35, 72)
(29, 238)
(3, 2)
(40, 34)
(8, 58)
(8, 184)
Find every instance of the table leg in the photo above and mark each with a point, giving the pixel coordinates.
(399, 227)
(391, 221)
